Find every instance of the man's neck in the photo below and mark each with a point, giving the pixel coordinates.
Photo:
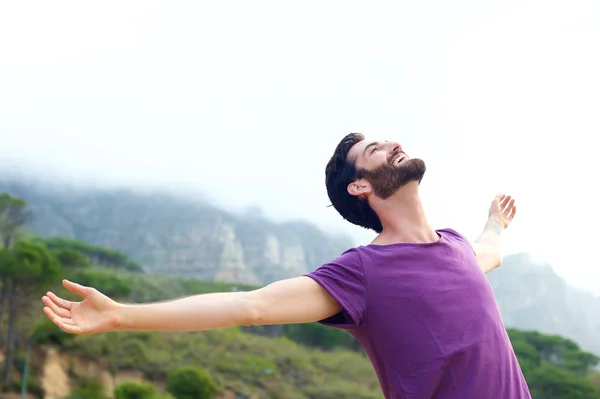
(403, 218)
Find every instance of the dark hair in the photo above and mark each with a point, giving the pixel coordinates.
(339, 173)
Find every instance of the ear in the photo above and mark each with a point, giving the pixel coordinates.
(359, 188)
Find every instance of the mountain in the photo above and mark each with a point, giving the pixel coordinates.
(531, 296)
(179, 236)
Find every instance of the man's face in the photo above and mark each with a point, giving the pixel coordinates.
(385, 166)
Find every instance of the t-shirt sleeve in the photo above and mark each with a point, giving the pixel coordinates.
(462, 239)
(344, 279)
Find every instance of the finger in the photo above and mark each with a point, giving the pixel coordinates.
(50, 313)
(54, 317)
(62, 323)
(62, 312)
(507, 207)
(505, 201)
(68, 321)
(59, 301)
(73, 329)
(78, 289)
(513, 212)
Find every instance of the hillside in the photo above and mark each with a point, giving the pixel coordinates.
(531, 296)
(263, 363)
(300, 361)
(178, 236)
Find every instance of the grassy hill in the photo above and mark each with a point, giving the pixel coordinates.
(305, 361)
(269, 363)
(264, 362)
(176, 236)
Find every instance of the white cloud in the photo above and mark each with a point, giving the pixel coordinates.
(248, 100)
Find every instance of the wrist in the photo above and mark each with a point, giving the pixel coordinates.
(120, 318)
(494, 224)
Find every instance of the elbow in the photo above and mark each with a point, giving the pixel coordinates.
(252, 310)
(494, 261)
(497, 259)
(489, 260)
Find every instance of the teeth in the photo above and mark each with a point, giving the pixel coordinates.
(398, 158)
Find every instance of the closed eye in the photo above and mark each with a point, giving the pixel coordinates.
(373, 150)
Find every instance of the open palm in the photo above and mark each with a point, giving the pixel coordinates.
(96, 313)
(503, 209)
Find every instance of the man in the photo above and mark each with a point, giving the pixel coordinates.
(416, 298)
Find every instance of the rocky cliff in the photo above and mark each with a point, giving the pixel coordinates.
(58, 373)
(179, 236)
(531, 296)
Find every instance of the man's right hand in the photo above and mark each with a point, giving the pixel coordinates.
(291, 301)
(95, 314)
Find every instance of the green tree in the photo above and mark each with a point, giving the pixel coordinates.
(191, 383)
(71, 259)
(13, 215)
(27, 268)
(101, 256)
(104, 281)
(555, 350)
(554, 367)
(549, 382)
(529, 358)
(135, 390)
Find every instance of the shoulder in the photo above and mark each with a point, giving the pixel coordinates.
(348, 264)
(456, 238)
(350, 258)
(452, 234)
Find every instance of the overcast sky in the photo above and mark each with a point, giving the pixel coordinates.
(247, 100)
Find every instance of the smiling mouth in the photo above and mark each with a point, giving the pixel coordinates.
(399, 158)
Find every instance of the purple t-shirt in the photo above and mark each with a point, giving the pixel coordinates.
(427, 318)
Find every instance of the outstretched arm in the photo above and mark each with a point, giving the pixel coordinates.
(295, 300)
(488, 246)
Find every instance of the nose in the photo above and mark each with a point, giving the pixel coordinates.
(394, 148)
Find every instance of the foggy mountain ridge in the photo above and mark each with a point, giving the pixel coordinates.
(178, 235)
(184, 237)
(531, 296)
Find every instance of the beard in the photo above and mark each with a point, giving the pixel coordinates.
(387, 179)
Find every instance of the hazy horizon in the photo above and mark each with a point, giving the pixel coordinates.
(246, 103)
(359, 236)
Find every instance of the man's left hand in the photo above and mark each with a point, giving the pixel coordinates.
(503, 209)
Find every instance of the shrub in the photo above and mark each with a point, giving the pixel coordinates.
(135, 390)
(191, 383)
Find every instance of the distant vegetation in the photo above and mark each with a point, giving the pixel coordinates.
(74, 251)
(307, 361)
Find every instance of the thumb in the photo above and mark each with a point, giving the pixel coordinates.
(498, 199)
(77, 288)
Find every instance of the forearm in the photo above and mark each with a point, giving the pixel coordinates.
(488, 246)
(492, 235)
(290, 301)
(193, 313)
